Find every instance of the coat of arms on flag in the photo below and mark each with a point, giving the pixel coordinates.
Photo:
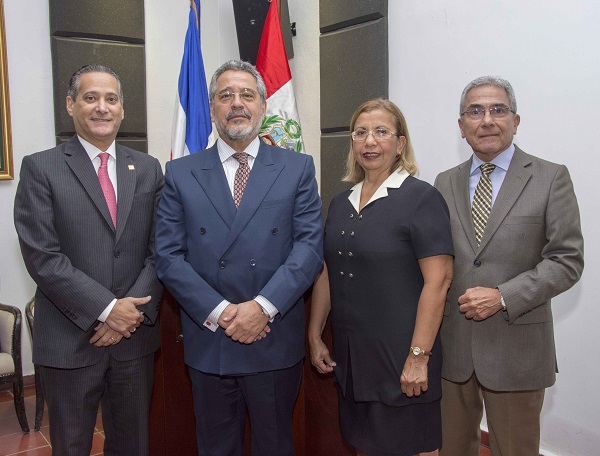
(281, 126)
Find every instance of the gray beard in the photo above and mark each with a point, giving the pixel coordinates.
(240, 134)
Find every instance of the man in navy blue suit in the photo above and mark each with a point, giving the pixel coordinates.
(237, 251)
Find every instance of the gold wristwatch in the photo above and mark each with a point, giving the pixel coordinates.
(419, 351)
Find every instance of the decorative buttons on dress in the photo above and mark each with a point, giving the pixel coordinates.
(350, 254)
(343, 232)
(339, 252)
(341, 273)
(253, 262)
(202, 230)
(477, 263)
(350, 275)
(222, 264)
(351, 233)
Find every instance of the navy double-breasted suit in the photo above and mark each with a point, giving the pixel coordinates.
(208, 251)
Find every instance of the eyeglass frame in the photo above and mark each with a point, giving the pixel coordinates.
(501, 115)
(370, 132)
(241, 94)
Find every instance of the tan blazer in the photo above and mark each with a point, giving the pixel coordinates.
(532, 250)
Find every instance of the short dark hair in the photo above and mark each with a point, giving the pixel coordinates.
(92, 68)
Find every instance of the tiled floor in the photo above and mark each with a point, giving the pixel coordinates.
(14, 442)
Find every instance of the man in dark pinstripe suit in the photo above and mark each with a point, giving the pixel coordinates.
(97, 292)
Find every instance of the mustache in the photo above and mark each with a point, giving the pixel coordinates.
(238, 112)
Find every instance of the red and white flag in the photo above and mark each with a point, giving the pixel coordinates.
(281, 126)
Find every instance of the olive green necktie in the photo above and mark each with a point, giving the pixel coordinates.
(482, 201)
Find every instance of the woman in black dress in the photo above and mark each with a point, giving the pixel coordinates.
(388, 266)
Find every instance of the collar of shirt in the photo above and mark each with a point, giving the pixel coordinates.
(394, 180)
(230, 164)
(501, 161)
(226, 151)
(93, 152)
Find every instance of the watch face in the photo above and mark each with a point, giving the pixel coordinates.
(416, 351)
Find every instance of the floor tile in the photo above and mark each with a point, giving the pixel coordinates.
(30, 409)
(43, 451)
(97, 444)
(14, 443)
(9, 424)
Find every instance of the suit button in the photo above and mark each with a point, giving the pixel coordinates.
(360, 217)
(351, 216)
(350, 275)
(350, 254)
(341, 273)
(339, 252)
(343, 232)
(352, 233)
(274, 231)
(202, 230)
(253, 263)
(477, 263)
(117, 254)
(222, 264)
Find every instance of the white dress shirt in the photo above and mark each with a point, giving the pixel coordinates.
(230, 166)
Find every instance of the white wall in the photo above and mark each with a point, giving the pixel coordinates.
(549, 52)
(32, 118)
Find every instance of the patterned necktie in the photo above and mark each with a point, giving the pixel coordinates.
(107, 187)
(241, 177)
(482, 201)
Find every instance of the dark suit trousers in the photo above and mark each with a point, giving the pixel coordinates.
(73, 395)
(513, 419)
(221, 402)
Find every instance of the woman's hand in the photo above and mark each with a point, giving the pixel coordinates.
(413, 380)
(319, 356)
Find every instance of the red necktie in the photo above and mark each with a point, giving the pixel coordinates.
(107, 187)
(241, 177)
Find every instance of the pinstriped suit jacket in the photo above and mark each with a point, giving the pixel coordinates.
(77, 258)
(532, 250)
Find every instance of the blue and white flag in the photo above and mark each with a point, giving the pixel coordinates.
(191, 125)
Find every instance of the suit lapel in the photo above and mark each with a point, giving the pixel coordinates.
(126, 179)
(516, 178)
(79, 162)
(262, 177)
(208, 171)
(462, 201)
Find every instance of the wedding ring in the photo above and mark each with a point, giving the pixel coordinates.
(112, 339)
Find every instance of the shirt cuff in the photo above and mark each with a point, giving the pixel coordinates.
(268, 308)
(502, 300)
(212, 320)
(104, 315)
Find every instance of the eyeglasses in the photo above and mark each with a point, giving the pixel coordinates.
(379, 134)
(246, 95)
(478, 113)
